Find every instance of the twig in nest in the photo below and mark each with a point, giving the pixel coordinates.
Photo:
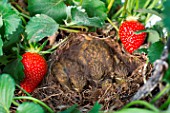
(160, 66)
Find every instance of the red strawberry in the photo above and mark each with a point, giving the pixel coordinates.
(35, 67)
(130, 40)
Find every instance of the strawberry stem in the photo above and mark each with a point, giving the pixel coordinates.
(166, 89)
(69, 30)
(125, 10)
(165, 104)
(146, 3)
(80, 27)
(23, 90)
(116, 15)
(110, 6)
(54, 47)
(140, 102)
(36, 101)
(113, 24)
(15, 103)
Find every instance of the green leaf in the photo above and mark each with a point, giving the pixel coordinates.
(1, 21)
(15, 69)
(135, 110)
(53, 8)
(166, 14)
(95, 8)
(159, 27)
(95, 108)
(4, 60)
(10, 19)
(142, 50)
(2, 109)
(40, 26)
(72, 109)
(4, 1)
(7, 87)
(1, 44)
(166, 77)
(29, 107)
(77, 16)
(153, 36)
(155, 51)
(151, 11)
(13, 39)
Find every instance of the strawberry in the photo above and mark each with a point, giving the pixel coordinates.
(129, 39)
(35, 67)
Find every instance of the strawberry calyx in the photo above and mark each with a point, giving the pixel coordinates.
(34, 47)
(132, 18)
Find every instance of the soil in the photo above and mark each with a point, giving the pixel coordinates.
(88, 69)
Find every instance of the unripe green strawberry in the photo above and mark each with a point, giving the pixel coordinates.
(35, 68)
(130, 40)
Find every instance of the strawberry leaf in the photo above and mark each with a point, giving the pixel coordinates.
(1, 44)
(77, 16)
(2, 109)
(15, 69)
(4, 60)
(155, 51)
(166, 14)
(95, 8)
(151, 11)
(10, 19)
(53, 8)
(13, 39)
(4, 1)
(28, 107)
(153, 36)
(166, 77)
(1, 21)
(40, 26)
(95, 108)
(72, 109)
(7, 87)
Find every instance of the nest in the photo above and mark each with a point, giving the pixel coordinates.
(112, 95)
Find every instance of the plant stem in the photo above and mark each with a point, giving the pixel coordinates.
(80, 27)
(160, 94)
(117, 13)
(125, 6)
(36, 101)
(69, 30)
(136, 6)
(113, 24)
(153, 4)
(146, 3)
(54, 47)
(6, 110)
(150, 7)
(146, 104)
(19, 7)
(166, 104)
(23, 90)
(24, 15)
(15, 103)
(110, 6)
(62, 41)
(131, 4)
